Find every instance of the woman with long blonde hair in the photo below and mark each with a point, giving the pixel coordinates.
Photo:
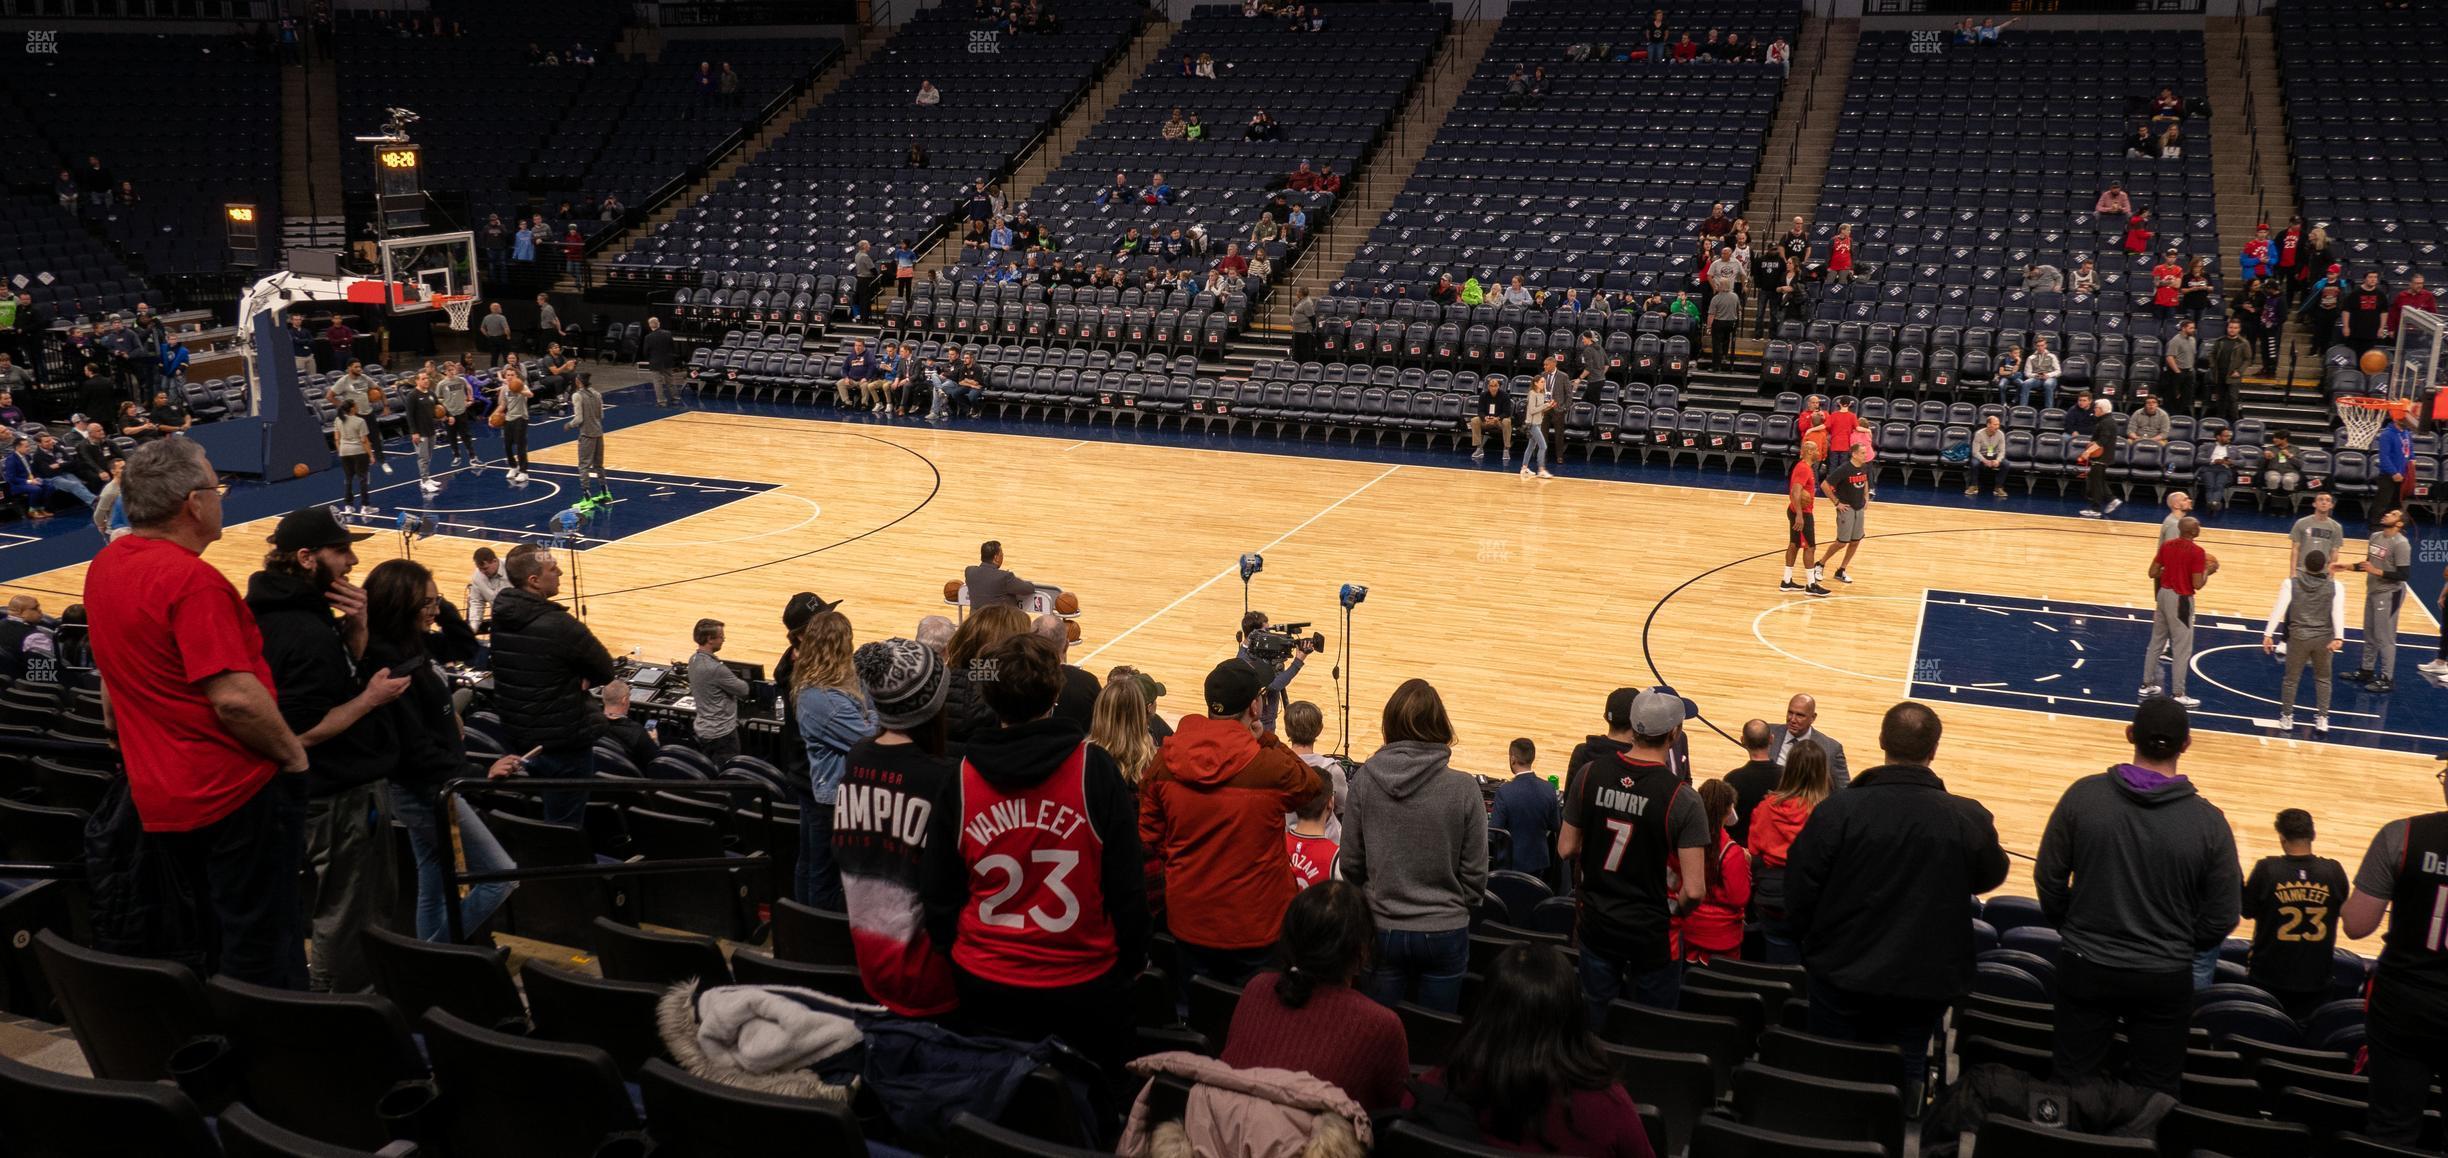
(1120, 726)
(965, 711)
(833, 717)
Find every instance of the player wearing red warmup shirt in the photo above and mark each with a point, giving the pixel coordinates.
(1801, 530)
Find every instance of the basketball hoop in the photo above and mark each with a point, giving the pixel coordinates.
(2363, 415)
(458, 305)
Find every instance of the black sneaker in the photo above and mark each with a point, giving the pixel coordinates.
(2360, 676)
(1789, 587)
(1816, 590)
(2380, 687)
(1841, 577)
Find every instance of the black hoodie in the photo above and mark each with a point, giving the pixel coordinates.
(2137, 871)
(312, 673)
(1017, 757)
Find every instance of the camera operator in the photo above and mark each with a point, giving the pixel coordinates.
(1277, 674)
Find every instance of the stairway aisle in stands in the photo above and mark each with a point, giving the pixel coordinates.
(870, 41)
(2255, 176)
(1370, 192)
(310, 157)
(1030, 174)
(1793, 163)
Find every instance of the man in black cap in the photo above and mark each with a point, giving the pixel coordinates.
(2139, 875)
(1628, 818)
(314, 628)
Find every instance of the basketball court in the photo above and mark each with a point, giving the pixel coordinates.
(1525, 602)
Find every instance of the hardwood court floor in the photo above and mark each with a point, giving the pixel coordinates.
(1525, 602)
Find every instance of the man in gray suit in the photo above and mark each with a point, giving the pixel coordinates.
(1801, 723)
(990, 584)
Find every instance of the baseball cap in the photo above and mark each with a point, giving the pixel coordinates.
(803, 607)
(2161, 728)
(1690, 710)
(1231, 687)
(1619, 707)
(1656, 714)
(311, 529)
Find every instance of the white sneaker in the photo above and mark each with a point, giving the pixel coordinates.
(386, 468)
(430, 487)
(369, 512)
(2188, 701)
(2286, 721)
(1544, 474)
(1526, 473)
(2088, 513)
(2320, 723)
(2113, 504)
(2148, 690)
(2435, 667)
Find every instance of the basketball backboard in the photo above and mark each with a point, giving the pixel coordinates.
(422, 271)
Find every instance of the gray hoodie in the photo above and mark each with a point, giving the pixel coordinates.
(2152, 868)
(1415, 837)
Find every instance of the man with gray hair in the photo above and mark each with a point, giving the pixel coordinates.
(1079, 691)
(935, 631)
(212, 769)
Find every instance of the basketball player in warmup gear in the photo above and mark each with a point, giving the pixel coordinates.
(2317, 531)
(1800, 529)
(2404, 877)
(1848, 486)
(2311, 608)
(2179, 570)
(1032, 873)
(2389, 564)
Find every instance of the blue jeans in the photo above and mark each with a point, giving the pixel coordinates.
(564, 764)
(416, 809)
(1906, 1023)
(1778, 934)
(1534, 458)
(1605, 980)
(2205, 967)
(2048, 390)
(70, 486)
(1425, 968)
(818, 882)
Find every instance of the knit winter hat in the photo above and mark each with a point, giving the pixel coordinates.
(904, 678)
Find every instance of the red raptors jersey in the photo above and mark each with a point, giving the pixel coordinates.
(1313, 858)
(1036, 911)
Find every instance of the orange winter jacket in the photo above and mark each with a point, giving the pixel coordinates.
(1211, 819)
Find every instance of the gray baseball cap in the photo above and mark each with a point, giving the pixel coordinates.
(1656, 714)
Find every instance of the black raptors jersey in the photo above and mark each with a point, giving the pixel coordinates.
(2413, 976)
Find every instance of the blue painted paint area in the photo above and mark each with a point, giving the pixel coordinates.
(2085, 659)
(485, 504)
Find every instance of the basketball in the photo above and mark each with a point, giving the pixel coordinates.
(299, 471)
(952, 590)
(1066, 604)
(2375, 362)
(1071, 631)
(2211, 566)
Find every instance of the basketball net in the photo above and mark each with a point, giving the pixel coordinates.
(458, 308)
(2363, 418)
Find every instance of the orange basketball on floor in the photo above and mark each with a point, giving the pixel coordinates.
(952, 590)
(2375, 362)
(299, 471)
(1065, 603)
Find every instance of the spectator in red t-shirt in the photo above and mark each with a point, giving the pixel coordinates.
(1304, 178)
(1232, 264)
(1304, 1014)
(2177, 572)
(2138, 231)
(1531, 1072)
(2412, 295)
(2167, 284)
(1842, 423)
(1714, 928)
(206, 749)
